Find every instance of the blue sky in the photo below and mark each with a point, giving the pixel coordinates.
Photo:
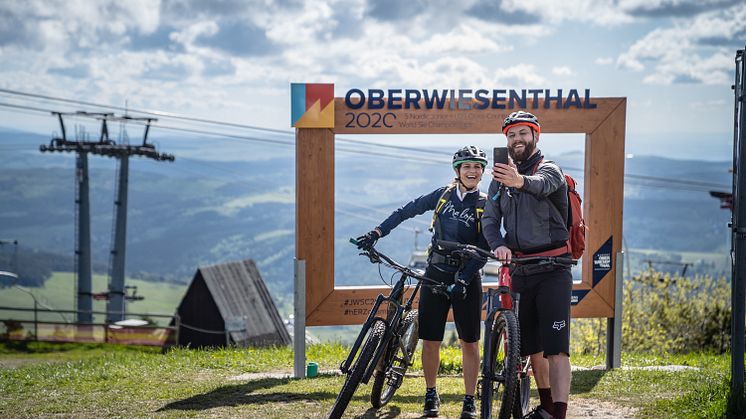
(234, 60)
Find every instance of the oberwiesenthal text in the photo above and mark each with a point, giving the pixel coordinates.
(467, 99)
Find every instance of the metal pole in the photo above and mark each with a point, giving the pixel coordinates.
(85, 299)
(177, 324)
(299, 320)
(614, 324)
(116, 286)
(738, 246)
(36, 321)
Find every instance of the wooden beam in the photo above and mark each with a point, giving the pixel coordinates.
(314, 211)
(605, 188)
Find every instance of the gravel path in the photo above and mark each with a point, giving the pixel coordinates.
(593, 408)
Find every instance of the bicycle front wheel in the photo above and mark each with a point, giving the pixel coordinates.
(389, 378)
(355, 375)
(523, 393)
(500, 387)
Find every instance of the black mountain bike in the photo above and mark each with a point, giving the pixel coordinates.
(390, 334)
(505, 383)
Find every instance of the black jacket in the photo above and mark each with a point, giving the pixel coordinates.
(458, 223)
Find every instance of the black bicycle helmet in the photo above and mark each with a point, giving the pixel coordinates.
(521, 118)
(469, 153)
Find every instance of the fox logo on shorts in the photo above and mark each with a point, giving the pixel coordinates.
(558, 325)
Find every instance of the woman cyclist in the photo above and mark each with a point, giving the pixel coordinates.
(458, 208)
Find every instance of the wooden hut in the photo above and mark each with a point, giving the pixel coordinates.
(228, 303)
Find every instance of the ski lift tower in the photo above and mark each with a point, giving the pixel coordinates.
(122, 152)
(106, 147)
(81, 147)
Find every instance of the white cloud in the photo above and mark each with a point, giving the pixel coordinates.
(604, 60)
(464, 39)
(86, 22)
(517, 76)
(562, 71)
(684, 53)
(595, 12)
(292, 27)
(189, 34)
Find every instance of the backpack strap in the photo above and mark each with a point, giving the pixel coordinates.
(481, 201)
(441, 203)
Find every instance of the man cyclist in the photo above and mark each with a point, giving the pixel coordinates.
(458, 208)
(528, 198)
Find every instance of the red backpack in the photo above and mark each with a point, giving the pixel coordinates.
(575, 223)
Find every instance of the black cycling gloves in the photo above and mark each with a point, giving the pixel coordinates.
(366, 241)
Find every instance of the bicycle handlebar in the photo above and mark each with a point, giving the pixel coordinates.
(474, 252)
(376, 256)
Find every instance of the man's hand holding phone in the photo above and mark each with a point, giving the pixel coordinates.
(504, 171)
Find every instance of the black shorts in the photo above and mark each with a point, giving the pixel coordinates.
(544, 311)
(433, 309)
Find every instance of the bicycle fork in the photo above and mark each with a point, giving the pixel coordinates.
(396, 373)
(394, 316)
(497, 300)
(372, 316)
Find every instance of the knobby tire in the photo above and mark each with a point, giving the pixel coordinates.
(521, 404)
(357, 370)
(390, 376)
(498, 397)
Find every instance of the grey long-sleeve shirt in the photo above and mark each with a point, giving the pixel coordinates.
(533, 217)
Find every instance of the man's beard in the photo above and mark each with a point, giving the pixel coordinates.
(528, 150)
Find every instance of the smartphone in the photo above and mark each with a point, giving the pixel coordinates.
(500, 155)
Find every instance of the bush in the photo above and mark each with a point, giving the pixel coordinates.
(665, 314)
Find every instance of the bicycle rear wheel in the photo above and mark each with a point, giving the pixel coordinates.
(358, 368)
(499, 389)
(389, 378)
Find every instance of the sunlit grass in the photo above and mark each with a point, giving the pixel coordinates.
(108, 380)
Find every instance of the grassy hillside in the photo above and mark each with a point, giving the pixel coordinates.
(59, 293)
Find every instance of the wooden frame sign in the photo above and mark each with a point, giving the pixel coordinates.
(318, 115)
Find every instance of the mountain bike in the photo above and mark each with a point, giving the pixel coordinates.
(505, 383)
(390, 334)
